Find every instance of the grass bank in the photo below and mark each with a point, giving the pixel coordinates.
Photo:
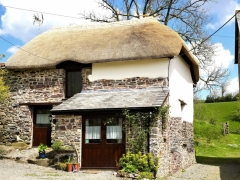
(211, 146)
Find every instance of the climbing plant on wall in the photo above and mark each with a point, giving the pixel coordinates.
(137, 127)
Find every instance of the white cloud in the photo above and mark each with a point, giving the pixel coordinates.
(13, 49)
(233, 86)
(223, 56)
(222, 10)
(19, 23)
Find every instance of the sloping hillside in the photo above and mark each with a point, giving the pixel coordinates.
(210, 143)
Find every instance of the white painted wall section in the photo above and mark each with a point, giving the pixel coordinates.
(181, 87)
(152, 68)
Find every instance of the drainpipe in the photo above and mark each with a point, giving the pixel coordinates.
(169, 68)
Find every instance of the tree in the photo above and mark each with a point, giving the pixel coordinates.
(223, 87)
(4, 90)
(187, 17)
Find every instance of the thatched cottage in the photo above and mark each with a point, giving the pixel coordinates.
(82, 75)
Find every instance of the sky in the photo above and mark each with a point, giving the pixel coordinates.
(16, 26)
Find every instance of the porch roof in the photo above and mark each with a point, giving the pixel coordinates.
(114, 99)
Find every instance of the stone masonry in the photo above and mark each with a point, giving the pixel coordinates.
(27, 86)
(68, 130)
(174, 144)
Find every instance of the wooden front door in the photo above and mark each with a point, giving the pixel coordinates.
(103, 141)
(41, 125)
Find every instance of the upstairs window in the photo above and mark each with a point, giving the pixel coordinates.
(73, 82)
(73, 79)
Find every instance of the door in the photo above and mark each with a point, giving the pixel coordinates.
(103, 141)
(41, 125)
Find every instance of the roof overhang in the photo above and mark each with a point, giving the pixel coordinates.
(113, 100)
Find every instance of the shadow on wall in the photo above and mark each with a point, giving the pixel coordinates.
(229, 167)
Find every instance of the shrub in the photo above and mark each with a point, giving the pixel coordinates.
(199, 111)
(238, 130)
(235, 115)
(208, 131)
(132, 163)
(2, 152)
(147, 175)
(61, 166)
(56, 145)
(212, 121)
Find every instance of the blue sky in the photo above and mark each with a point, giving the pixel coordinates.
(16, 26)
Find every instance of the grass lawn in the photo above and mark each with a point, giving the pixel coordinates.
(210, 144)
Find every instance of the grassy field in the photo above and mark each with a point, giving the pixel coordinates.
(211, 145)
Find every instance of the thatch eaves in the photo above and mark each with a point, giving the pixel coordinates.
(126, 40)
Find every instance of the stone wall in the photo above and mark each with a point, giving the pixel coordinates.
(128, 83)
(174, 145)
(27, 86)
(68, 130)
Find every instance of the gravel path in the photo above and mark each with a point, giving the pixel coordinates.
(11, 170)
(208, 172)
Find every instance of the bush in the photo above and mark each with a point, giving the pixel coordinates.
(147, 175)
(56, 145)
(61, 166)
(207, 131)
(133, 163)
(235, 115)
(212, 121)
(199, 111)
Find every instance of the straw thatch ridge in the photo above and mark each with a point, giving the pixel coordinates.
(129, 40)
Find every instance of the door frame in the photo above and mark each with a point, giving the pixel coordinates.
(102, 116)
(49, 129)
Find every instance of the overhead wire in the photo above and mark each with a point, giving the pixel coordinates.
(41, 12)
(180, 55)
(124, 25)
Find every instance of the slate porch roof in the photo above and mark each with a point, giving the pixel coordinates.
(117, 99)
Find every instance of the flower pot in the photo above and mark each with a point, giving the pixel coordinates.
(76, 167)
(42, 155)
(118, 167)
(69, 167)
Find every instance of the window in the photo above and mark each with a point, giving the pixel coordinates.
(42, 117)
(73, 82)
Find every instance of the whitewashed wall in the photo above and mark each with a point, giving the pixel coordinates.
(180, 80)
(181, 88)
(152, 68)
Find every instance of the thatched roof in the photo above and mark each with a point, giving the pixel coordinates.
(126, 40)
(115, 100)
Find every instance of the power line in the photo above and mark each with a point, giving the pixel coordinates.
(23, 49)
(224, 36)
(211, 34)
(124, 25)
(41, 12)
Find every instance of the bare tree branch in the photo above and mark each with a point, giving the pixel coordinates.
(187, 17)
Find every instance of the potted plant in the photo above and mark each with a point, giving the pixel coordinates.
(76, 167)
(41, 150)
(69, 165)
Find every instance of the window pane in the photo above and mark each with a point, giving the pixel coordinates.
(114, 130)
(93, 131)
(42, 119)
(74, 82)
